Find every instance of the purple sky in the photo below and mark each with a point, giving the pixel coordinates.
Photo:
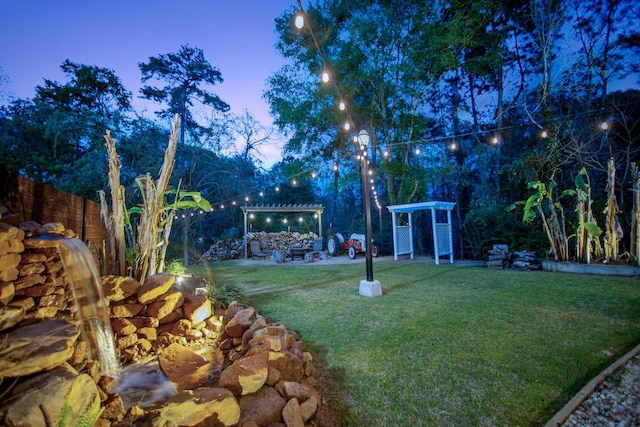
(237, 37)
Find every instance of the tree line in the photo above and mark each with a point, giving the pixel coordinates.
(465, 101)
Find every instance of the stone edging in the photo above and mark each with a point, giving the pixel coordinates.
(600, 269)
(588, 389)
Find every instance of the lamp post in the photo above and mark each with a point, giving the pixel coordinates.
(368, 287)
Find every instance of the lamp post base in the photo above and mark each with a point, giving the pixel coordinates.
(370, 288)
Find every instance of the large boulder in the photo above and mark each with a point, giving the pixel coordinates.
(154, 286)
(37, 347)
(247, 375)
(263, 407)
(42, 400)
(209, 406)
(184, 367)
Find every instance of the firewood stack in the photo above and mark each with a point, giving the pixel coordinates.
(500, 258)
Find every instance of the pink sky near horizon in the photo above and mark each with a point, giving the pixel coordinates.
(237, 38)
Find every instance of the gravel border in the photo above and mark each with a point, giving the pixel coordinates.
(610, 399)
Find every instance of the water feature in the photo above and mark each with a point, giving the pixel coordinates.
(92, 310)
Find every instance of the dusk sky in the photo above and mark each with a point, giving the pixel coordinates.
(237, 37)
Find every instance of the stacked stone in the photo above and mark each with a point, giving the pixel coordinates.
(148, 318)
(32, 276)
(233, 369)
(265, 379)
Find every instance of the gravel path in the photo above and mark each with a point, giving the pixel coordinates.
(612, 399)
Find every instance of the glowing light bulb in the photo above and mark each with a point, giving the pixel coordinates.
(347, 126)
(299, 21)
(544, 134)
(604, 125)
(342, 106)
(325, 77)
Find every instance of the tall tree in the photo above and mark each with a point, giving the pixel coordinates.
(60, 131)
(184, 72)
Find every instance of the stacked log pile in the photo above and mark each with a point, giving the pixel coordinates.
(269, 242)
(500, 258)
(261, 373)
(223, 250)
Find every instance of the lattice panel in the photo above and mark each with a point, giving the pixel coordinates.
(443, 238)
(403, 239)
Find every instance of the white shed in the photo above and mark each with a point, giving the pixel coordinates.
(442, 234)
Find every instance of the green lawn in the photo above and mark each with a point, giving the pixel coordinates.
(446, 345)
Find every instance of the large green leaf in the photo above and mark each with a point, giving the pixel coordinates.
(592, 228)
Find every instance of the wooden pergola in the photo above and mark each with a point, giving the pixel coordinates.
(247, 210)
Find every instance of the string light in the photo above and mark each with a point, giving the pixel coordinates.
(325, 77)
(299, 21)
(342, 106)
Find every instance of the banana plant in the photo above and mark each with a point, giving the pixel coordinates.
(588, 233)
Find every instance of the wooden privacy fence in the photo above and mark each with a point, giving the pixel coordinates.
(43, 203)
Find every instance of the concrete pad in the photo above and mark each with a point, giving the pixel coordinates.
(370, 289)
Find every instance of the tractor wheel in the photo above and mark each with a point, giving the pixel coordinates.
(333, 245)
(374, 251)
(352, 252)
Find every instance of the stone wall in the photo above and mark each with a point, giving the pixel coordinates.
(232, 368)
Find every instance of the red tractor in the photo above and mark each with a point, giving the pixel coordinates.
(354, 244)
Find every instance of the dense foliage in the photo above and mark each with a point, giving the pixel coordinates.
(465, 101)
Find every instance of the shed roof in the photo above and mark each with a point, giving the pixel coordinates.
(411, 207)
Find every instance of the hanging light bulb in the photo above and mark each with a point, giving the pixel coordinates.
(342, 105)
(221, 206)
(347, 126)
(325, 77)
(268, 219)
(335, 168)
(261, 194)
(294, 182)
(418, 151)
(299, 20)
(386, 153)
(277, 189)
(544, 134)
(300, 219)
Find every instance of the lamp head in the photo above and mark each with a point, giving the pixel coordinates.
(363, 137)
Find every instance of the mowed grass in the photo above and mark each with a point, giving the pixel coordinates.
(446, 345)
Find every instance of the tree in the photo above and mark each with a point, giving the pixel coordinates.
(184, 73)
(251, 133)
(56, 137)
